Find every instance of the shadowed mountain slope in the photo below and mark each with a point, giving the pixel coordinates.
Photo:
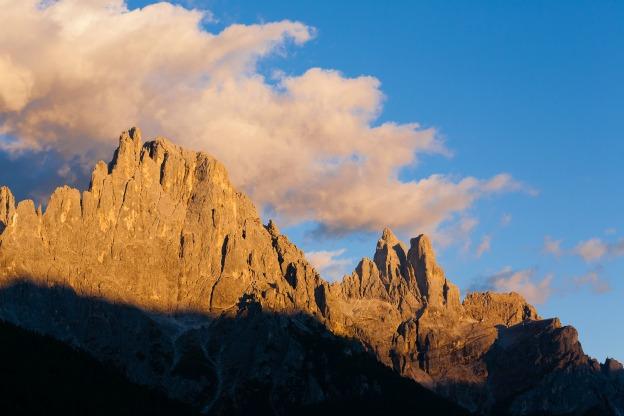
(253, 362)
(40, 375)
(162, 229)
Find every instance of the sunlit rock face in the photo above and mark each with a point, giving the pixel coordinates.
(160, 227)
(163, 268)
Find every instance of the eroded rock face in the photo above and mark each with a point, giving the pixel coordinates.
(162, 229)
(499, 308)
(7, 207)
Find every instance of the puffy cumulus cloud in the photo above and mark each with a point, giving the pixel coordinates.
(328, 264)
(15, 85)
(552, 246)
(484, 246)
(534, 290)
(305, 147)
(82, 69)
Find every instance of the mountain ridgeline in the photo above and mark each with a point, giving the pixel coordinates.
(163, 269)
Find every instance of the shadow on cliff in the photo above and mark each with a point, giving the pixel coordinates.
(248, 362)
(40, 375)
(541, 363)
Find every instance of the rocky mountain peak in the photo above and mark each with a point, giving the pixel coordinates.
(422, 246)
(273, 228)
(162, 229)
(7, 207)
(613, 367)
(126, 156)
(432, 284)
(388, 236)
(390, 257)
(506, 308)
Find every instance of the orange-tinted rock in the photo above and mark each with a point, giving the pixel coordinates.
(499, 308)
(162, 228)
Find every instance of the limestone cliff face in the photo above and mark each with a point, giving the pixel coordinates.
(159, 227)
(7, 207)
(408, 279)
(504, 308)
(163, 230)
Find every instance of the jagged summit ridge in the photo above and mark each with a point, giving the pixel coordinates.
(150, 192)
(163, 229)
(410, 279)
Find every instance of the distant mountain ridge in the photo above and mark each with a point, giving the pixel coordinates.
(162, 229)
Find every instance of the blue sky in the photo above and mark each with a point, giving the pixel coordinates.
(533, 89)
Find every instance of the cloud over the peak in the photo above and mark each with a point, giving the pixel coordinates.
(305, 147)
(524, 282)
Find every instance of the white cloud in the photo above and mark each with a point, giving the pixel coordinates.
(73, 73)
(552, 246)
(523, 282)
(538, 290)
(484, 246)
(16, 85)
(592, 249)
(328, 264)
(594, 281)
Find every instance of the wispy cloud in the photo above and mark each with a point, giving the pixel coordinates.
(328, 263)
(617, 249)
(506, 220)
(592, 280)
(456, 232)
(591, 250)
(484, 246)
(595, 249)
(305, 147)
(552, 246)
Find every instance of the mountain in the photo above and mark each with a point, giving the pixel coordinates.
(163, 268)
(43, 376)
